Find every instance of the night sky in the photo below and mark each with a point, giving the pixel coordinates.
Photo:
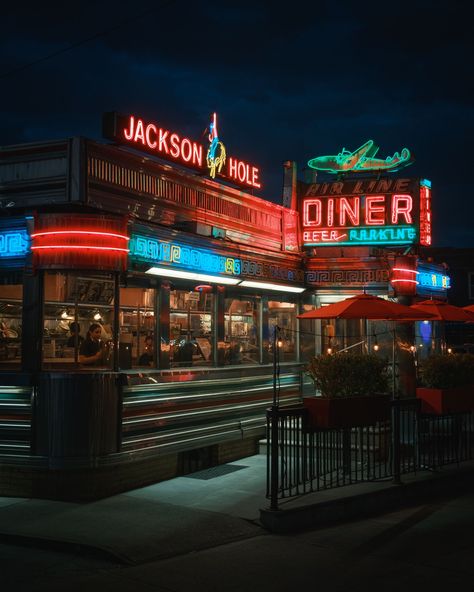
(288, 83)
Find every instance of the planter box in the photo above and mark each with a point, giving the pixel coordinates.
(347, 412)
(445, 401)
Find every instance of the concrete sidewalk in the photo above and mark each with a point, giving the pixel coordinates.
(207, 509)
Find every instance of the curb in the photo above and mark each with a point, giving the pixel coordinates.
(74, 548)
(367, 504)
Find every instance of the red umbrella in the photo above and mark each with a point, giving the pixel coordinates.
(470, 310)
(442, 311)
(365, 306)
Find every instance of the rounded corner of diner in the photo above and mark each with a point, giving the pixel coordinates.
(138, 306)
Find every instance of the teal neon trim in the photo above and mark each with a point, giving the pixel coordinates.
(425, 183)
(361, 160)
(370, 235)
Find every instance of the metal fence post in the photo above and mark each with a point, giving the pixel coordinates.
(396, 441)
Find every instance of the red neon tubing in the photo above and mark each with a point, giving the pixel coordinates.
(107, 234)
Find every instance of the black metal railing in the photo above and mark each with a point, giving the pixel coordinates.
(302, 460)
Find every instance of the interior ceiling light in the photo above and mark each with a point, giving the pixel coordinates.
(268, 286)
(189, 275)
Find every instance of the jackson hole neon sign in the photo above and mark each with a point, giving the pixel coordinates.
(359, 220)
(150, 137)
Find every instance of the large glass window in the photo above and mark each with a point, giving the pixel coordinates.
(137, 328)
(283, 314)
(191, 327)
(11, 304)
(78, 320)
(242, 330)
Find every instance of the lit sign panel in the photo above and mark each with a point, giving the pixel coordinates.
(365, 212)
(145, 248)
(13, 243)
(430, 279)
(150, 137)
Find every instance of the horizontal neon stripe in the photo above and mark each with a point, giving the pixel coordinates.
(80, 247)
(53, 232)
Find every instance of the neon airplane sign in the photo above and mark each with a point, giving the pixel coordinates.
(361, 161)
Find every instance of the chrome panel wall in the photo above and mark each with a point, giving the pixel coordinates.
(191, 409)
(76, 414)
(15, 420)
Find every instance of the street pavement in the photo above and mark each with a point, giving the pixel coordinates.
(202, 532)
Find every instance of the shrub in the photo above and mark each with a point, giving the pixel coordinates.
(349, 375)
(443, 371)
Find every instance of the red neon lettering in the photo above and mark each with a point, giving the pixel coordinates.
(241, 171)
(330, 214)
(162, 136)
(352, 213)
(174, 141)
(139, 132)
(373, 212)
(197, 154)
(186, 150)
(255, 182)
(150, 128)
(402, 205)
(232, 168)
(312, 212)
(128, 134)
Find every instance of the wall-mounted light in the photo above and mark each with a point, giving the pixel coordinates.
(270, 286)
(189, 275)
(97, 316)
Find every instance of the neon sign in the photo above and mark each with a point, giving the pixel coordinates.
(216, 154)
(145, 248)
(13, 243)
(361, 161)
(359, 220)
(425, 213)
(430, 279)
(163, 143)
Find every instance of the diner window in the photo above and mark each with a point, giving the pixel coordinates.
(191, 327)
(283, 314)
(242, 330)
(11, 305)
(137, 328)
(78, 320)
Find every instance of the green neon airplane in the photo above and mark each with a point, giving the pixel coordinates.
(361, 161)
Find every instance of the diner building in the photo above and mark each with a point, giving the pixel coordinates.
(165, 252)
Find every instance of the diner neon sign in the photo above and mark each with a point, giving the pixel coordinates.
(164, 143)
(359, 220)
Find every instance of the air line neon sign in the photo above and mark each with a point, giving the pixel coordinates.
(164, 143)
(359, 220)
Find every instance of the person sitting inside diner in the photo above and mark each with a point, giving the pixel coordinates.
(75, 337)
(146, 359)
(91, 353)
